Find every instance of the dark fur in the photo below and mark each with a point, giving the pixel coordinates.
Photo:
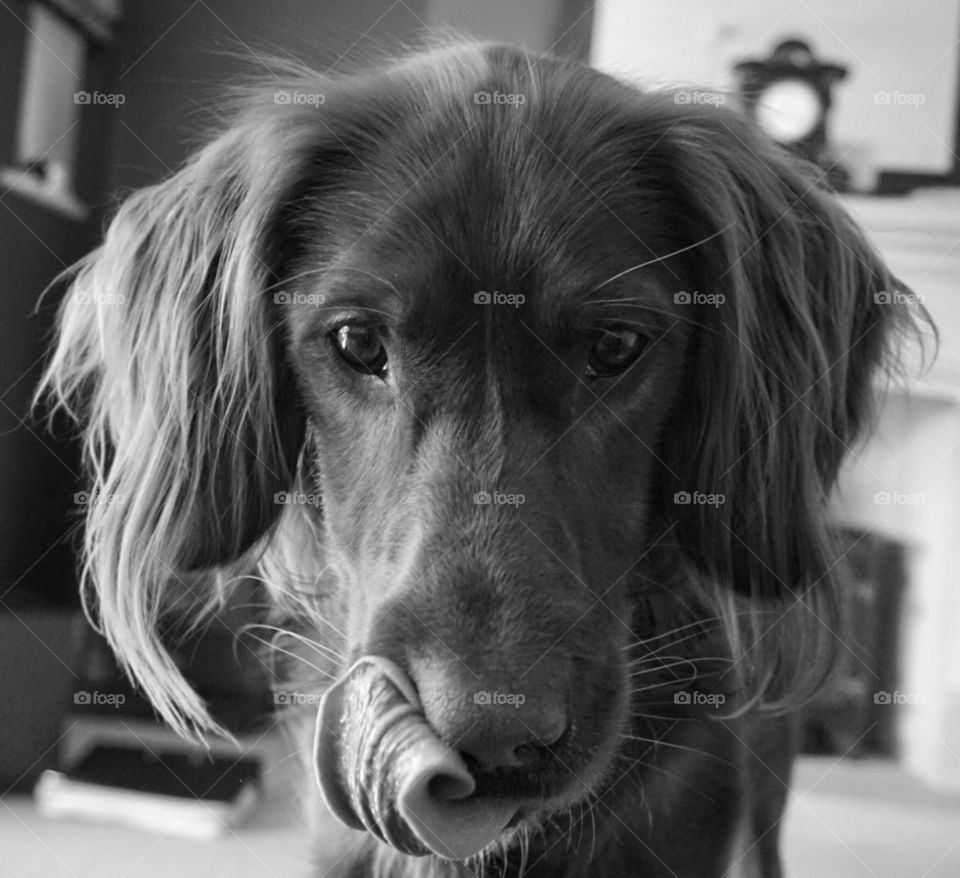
(397, 200)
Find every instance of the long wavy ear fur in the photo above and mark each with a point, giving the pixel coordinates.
(786, 372)
(169, 355)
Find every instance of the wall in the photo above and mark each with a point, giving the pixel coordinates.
(913, 463)
(553, 26)
(175, 55)
(889, 46)
(37, 470)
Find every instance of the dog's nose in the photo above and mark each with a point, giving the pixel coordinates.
(511, 743)
(510, 727)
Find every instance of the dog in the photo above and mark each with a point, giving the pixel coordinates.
(518, 392)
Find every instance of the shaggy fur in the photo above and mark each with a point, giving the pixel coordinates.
(657, 642)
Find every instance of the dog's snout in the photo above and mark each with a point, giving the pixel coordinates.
(510, 728)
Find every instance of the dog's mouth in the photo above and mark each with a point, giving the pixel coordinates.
(382, 768)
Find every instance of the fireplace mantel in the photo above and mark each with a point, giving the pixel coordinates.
(919, 237)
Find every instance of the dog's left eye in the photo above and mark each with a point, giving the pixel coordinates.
(361, 348)
(614, 350)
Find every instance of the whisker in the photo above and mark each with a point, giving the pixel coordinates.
(652, 654)
(674, 776)
(661, 666)
(662, 663)
(661, 635)
(271, 644)
(659, 742)
(283, 282)
(639, 690)
(657, 716)
(644, 305)
(306, 641)
(327, 269)
(389, 284)
(666, 256)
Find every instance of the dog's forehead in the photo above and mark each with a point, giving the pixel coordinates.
(498, 196)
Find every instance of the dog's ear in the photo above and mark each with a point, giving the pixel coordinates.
(170, 355)
(805, 315)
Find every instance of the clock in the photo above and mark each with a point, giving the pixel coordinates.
(789, 110)
(789, 95)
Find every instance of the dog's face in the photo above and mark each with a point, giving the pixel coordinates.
(558, 369)
(486, 367)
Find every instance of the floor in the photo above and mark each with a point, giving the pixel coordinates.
(859, 818)
(846, 820)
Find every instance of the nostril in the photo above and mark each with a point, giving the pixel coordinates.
(549, 728)
(527, 757)
(533, 753)
(498, 749)
(530, 755)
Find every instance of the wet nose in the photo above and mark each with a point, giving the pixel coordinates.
(494, 721)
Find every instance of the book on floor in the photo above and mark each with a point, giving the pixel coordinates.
(193, 794)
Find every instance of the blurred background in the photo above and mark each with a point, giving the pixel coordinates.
(98, 97)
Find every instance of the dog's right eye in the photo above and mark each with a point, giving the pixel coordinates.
(361, 348)
(614, 350)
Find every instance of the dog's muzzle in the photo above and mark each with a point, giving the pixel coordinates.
(382, 768)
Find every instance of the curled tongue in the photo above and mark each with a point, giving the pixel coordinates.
(382, 768)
